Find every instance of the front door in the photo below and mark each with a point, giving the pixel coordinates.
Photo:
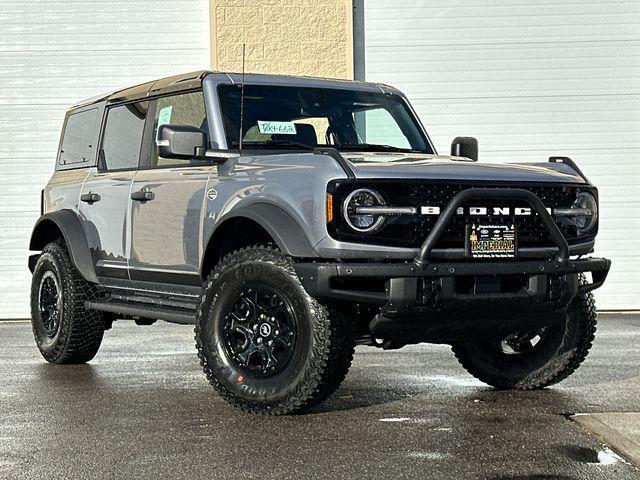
(166, 219)
(105, 196)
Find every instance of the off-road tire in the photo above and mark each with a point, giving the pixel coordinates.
(321, 359)
(80, 331)
(563, 348)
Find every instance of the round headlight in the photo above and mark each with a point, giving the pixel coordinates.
(586, 202)
(583, 214)
(363, 198)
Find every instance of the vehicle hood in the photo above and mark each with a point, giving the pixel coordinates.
(376, 165)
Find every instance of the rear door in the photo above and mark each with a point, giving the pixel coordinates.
(105, 195)
(166, 230)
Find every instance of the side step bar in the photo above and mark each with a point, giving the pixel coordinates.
(170, 314)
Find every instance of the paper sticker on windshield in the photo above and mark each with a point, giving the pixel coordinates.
(164, 115)
(280, 128)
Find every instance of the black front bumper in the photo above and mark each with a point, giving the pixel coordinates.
(452, 301)
(401, 281)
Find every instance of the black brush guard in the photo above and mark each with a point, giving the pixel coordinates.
(551, 283)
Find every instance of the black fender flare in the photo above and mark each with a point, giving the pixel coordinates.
(68, 224)
(280, 225)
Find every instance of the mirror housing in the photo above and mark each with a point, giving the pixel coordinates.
(180, 141)
(465, 147)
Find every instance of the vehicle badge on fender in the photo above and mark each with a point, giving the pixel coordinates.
(212, 194)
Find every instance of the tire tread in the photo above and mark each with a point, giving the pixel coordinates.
(81, 330)
(333, 345)
(583, 317)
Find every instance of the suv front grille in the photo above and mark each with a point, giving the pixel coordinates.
(412, 230)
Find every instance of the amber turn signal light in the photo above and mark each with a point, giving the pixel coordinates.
(329, 208)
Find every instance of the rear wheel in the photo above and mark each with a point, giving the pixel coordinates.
(534, 359)
(65, 332)
(265, 345)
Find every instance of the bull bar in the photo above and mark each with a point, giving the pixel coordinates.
(399, 301)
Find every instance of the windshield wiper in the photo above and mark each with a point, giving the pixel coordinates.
(372, 147)
(365, 147)
(274, 143)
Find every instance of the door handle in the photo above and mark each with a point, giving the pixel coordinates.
(142, 196)
(90, 197)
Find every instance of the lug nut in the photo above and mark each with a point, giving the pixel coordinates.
(259, 340)
(255, 327)
(277, 332)
(270, 342)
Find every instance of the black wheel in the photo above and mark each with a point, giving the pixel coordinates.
(534, 359)
(64, 330)
(265, 345)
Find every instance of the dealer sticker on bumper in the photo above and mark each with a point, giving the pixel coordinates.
(491, 241)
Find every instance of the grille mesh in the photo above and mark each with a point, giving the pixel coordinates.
(411, 231)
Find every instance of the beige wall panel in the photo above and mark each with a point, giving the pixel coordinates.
(295, 37)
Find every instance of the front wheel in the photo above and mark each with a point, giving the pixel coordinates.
(265, 345)
(534, 359)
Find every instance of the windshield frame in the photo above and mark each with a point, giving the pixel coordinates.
(321, 84)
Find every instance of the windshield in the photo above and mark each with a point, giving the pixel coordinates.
(278, 117)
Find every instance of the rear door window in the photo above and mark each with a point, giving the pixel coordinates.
(78, 139)
(123, 136)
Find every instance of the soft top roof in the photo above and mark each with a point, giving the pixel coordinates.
(193, 80)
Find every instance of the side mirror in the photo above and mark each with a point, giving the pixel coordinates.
(465, 147)
(181, 141)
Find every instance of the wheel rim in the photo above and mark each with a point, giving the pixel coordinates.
(50, 303)
(522, 342)
(259, 331)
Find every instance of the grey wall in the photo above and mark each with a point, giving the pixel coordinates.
(53, 54)
(529, 80)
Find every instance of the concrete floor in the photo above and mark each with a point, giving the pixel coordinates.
(142, 409)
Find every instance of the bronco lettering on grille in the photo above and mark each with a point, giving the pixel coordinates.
(500, 211)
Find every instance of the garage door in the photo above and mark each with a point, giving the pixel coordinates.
(53, 54)
(529, 80)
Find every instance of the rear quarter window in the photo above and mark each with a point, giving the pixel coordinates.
(78, 146)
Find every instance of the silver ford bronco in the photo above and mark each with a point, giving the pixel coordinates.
(291, 219)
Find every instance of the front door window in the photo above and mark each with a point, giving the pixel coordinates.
(184, 109)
